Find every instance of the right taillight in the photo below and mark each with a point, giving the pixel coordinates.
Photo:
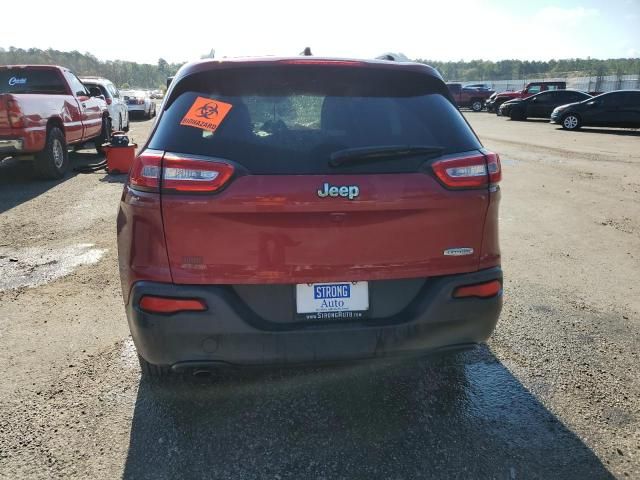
(472, 171)
(493, 167)
(145, 172)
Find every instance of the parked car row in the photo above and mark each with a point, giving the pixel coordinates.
(573, 109)
(46, 110)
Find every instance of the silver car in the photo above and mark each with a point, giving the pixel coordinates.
(116, 104)
(139, 103)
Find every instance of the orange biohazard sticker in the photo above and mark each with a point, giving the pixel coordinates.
(206, 114)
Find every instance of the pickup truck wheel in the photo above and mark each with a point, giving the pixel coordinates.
(476, 105)
(571, 122)
(53, 162)
(105, 135)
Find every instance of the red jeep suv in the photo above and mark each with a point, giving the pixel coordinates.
(294, 210)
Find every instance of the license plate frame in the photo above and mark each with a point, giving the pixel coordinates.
(332, 300)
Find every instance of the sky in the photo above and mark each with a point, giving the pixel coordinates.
(144, 31)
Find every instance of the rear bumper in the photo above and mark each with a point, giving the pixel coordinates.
(137, 108)
(227, 334)
(10, 146)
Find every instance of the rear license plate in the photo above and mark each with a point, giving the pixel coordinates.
(326, 301)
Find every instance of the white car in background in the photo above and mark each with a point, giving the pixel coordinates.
(116, 104)
(139, 102)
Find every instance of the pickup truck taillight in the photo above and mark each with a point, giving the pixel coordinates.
(473, 171)
(15, 114)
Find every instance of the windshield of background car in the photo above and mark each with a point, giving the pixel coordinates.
(23, 80)
(290, 119)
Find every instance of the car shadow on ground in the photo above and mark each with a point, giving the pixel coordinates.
(609, 131)
(19, 183)
(462, 416)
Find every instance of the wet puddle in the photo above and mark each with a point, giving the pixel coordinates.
(30, 267)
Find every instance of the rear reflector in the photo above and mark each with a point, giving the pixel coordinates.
(482, 290)
(171, 305)
(145, 172)
(473, 171)
(188, 175)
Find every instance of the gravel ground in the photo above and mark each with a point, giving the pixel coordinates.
(554, 394)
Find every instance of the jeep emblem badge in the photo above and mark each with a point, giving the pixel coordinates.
(345, 191)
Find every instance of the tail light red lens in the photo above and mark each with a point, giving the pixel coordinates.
(145, 172)
(481, 290)
(109, 101)
(15, 114)
(473, 171)
(164, 305)
(494, 167)
(188, 175)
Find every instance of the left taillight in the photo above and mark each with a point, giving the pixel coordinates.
(183, 174)
(154, 170)
(145, 172)
(15, 114)
(472, 171)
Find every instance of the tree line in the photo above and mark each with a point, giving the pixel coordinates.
(123, 74)
(132, 74)
(520, 69)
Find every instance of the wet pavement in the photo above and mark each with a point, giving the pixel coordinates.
(462, 416)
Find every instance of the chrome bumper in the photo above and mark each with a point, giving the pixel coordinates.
(12, 145)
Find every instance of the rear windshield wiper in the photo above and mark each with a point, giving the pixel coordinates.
(387, 152)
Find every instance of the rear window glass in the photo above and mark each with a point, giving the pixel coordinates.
(21, 80)
(290, 119)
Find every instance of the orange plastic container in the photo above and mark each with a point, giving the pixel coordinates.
(120, 159)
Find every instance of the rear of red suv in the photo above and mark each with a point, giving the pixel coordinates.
(308, 210)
